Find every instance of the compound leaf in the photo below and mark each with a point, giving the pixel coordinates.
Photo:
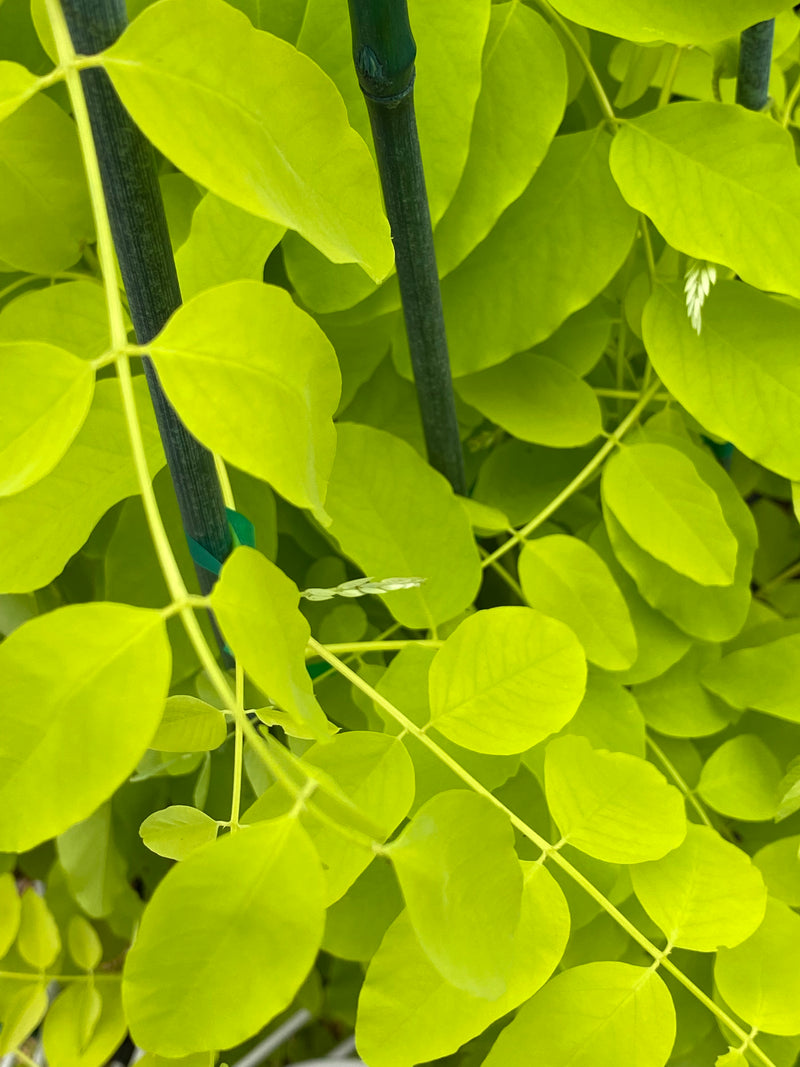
(374, 774)
(42, 526)
(46, 216)
(741, 779)
(739, 377)
(764, 677)
(177, 831)
(225, 243)
(38, 941)
(713, 613)
(522, 97)
(189, 725)
(536, 399)
(511, 292)
(10, 911)
(95, 870)
(17, 85)
(63, 1036)
(683, 166)
(409, 1013)
(680, 21)
(84, 943)
(394, 515)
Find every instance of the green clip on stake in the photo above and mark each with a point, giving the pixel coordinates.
(242, 533)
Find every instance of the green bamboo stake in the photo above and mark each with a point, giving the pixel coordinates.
(755, 58)
(384, 52)
(141, 239)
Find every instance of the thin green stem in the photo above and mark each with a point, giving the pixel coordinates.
(628, 394)
(28, 976)
(184, 603)
(680, 782)
(238, 749)
(23, 1057)
(360, 647)
(644, 230)
(791, 101)
(580, 479)
(786, 575)
(594, 80)
(669, 80)
(503, 574)
(13, 286)
(225, 482)
(354, 656)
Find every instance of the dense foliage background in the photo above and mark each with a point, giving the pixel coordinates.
(532, 793)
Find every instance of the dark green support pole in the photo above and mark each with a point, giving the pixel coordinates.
(384, 52)
(141, 239)
(755, 58)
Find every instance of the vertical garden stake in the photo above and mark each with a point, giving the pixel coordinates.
(384, 53)
(755, 57)
(141, 239)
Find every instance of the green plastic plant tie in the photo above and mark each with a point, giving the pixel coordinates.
(755, 59)
(242, 532)
(384, 52)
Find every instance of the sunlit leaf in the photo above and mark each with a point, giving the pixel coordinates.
(611, 805)
(81, 692)
(505, 679)
(258, 103)
(226, 941)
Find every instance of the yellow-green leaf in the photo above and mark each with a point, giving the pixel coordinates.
(81, 692)
(257, 122)
(245, 347)
(46, 393)
(226, 941)
(177, 831)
